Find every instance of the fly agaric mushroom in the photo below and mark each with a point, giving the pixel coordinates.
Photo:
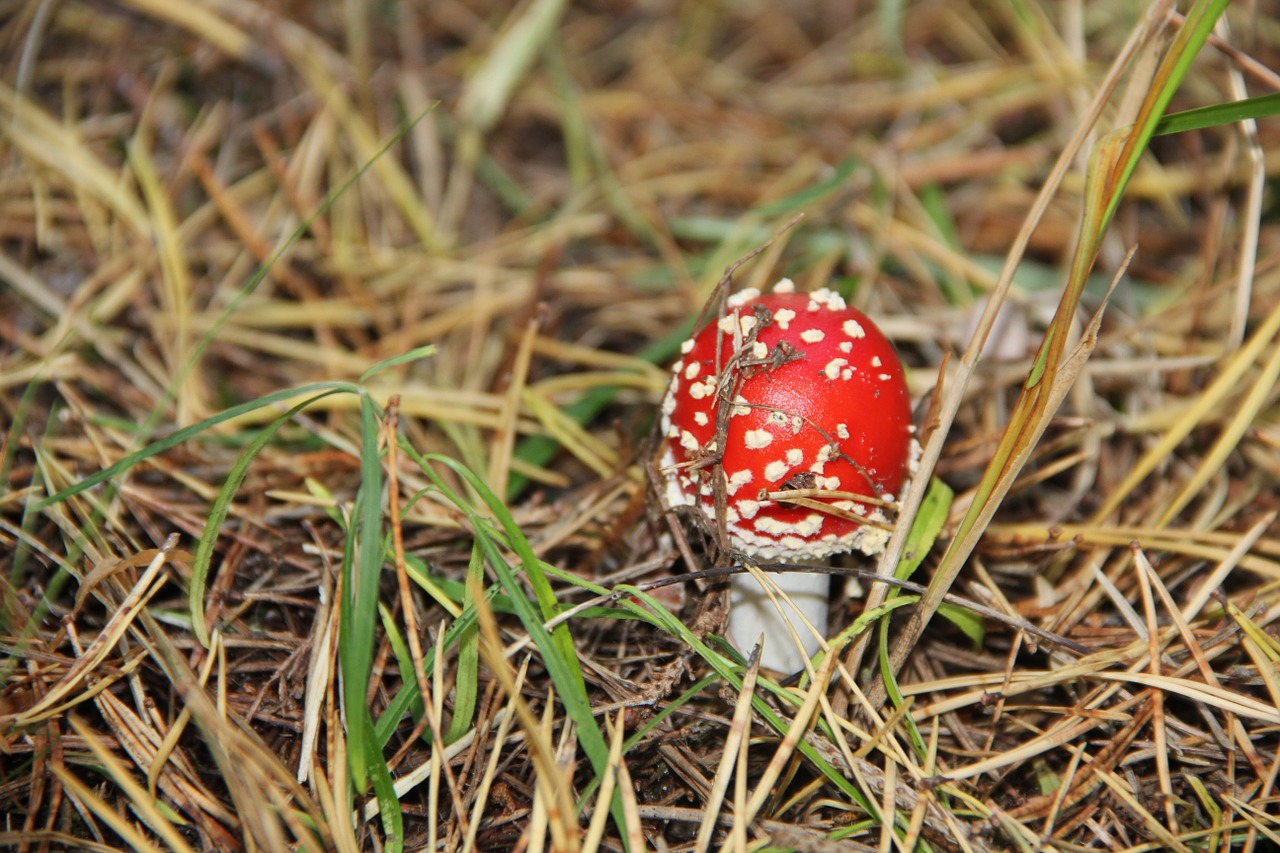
(792, 413)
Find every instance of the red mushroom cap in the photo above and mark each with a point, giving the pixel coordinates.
(806, 394)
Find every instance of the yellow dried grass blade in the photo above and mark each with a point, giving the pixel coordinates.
(1207, 403)
(554, 788)
(1158, 831)
(141, 800)
(200, 21)
(1035, 408)
(126, 830)
(735, 743)
(57, 147)
(799, 725)
(147, 586)
(368, 149)
(504, 437)
(1245, 414)
(600, 813)
(176, 282)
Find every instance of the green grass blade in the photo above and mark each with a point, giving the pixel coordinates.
(467, 682)
(321, 389)
(652, 723)
(895, 693)
(407, 699)
(218, 514)
(1191, 36)
(811, 195)
(399, 646)
(533, 567)
(415, 354)
(969, 623)
(384, 788)
(559, 655)
(359, 617)
(1216, 115)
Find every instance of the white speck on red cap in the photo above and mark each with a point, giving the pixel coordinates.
(757, 439)
(826, 299)
(699, 390)
(737, 480)
(812, 336)
(783, 317)
(776, 470)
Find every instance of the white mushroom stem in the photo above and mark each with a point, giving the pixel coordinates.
(799, 598)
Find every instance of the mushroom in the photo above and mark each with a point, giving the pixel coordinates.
(790, 415)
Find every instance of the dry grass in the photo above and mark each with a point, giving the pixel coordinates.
(545, 198)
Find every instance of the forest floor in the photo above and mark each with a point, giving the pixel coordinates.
(244, 246)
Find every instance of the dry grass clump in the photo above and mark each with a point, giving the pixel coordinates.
(332, 335)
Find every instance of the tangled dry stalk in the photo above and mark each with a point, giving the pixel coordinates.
(332, 337)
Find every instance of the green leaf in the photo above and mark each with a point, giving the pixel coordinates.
(926, 526)
(966, 620)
